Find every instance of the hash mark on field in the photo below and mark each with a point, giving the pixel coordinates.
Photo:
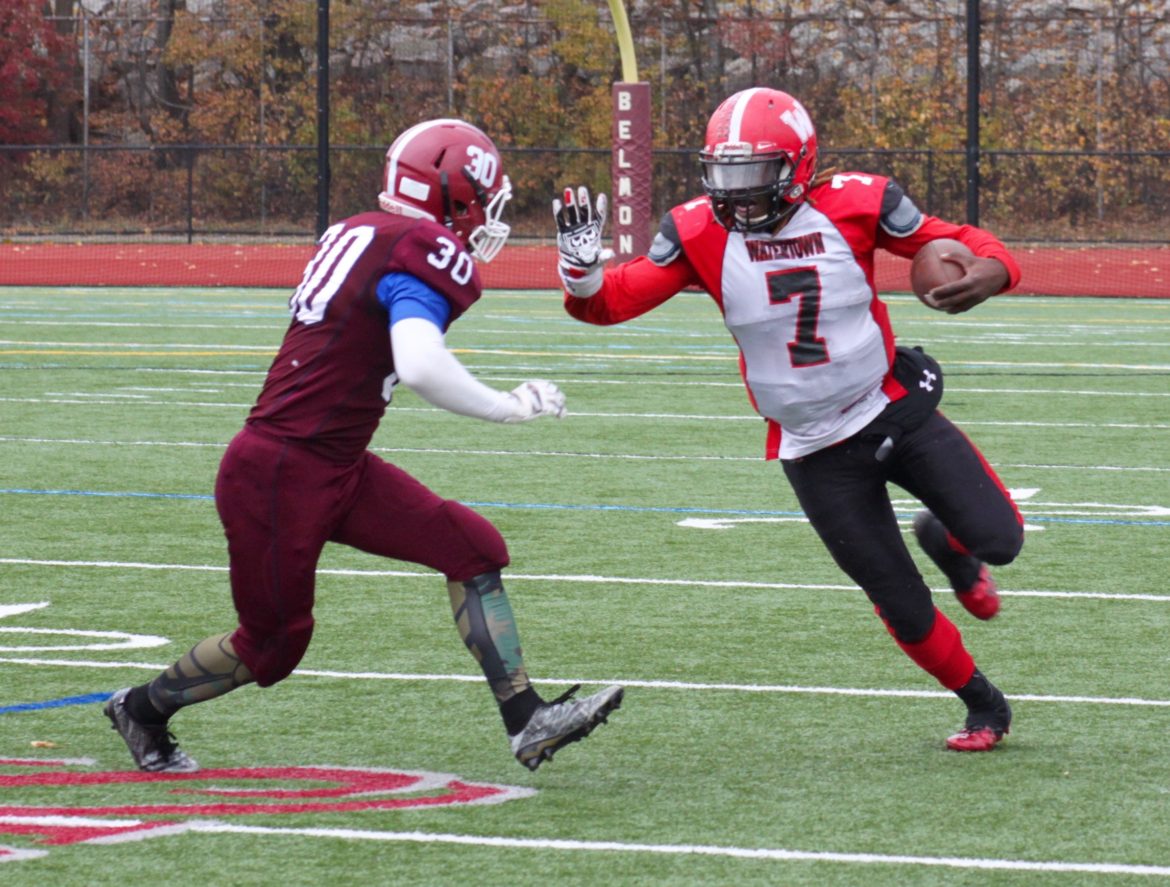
(95, 400)
(490, 374)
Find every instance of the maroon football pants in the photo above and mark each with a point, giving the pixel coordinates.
(280, 503)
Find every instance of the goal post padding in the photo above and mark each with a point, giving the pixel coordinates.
(632, 226)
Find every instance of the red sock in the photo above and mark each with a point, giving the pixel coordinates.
(942, 653)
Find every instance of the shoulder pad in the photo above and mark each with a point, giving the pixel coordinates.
(437, 257)
(900, 217)
(667, 244)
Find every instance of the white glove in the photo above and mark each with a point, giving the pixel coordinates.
(579, 227)
(536, 397)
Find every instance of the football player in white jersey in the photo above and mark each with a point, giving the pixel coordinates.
(787, 253)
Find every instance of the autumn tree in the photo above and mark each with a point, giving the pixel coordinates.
(33, 72)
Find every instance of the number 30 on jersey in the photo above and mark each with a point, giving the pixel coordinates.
(336, 257)
(463, 265)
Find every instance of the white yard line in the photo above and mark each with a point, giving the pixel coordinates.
(758, 853)
(68, 398)
(463, 451)
(688, 686)
(591, 579)
(610, 580)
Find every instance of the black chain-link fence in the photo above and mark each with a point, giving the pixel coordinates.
(198, 119)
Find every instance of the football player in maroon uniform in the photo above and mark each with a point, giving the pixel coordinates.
(787, 254)
(370, 312)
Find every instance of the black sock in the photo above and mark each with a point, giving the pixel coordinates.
(517, 710)
(139, 707)
(979, 693)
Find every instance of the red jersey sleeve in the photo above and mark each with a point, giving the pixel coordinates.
(631, 289)
(983, 243)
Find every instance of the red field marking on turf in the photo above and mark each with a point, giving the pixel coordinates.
(1059, 271)
(352, 790)
(64, 825)
(15, 854)
(245, 791)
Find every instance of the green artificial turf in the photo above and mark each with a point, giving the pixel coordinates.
(772, 733)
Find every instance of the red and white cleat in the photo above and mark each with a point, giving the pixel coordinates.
(975, 739)
(989, 716)
(981, 600)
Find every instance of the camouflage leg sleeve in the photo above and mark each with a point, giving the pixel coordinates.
(211, 668)
(488, 628)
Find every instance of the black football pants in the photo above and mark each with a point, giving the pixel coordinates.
(843, 492)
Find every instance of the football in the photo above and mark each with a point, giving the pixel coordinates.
(929, 269)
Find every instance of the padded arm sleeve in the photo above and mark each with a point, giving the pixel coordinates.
(427, 368)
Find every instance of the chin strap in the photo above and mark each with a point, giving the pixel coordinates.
(445, 191)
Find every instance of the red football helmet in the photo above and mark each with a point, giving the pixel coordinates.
(759, 159)
(448, 171)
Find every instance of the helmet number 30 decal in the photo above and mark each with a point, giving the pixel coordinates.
(482, 165)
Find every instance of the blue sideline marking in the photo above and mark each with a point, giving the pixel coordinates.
(633, 509)
(111, 494)
(56, 703)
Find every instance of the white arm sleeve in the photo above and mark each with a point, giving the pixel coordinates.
(426, 367)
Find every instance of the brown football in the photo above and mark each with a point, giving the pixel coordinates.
(929, 269)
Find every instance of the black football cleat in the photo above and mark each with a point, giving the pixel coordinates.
(153, 747)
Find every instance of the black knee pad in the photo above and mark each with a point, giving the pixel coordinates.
(1003, 547)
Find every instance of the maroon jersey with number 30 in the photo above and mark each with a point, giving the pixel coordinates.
(334, 374)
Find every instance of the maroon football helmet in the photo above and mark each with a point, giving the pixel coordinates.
(759, 159)
(449, 171)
